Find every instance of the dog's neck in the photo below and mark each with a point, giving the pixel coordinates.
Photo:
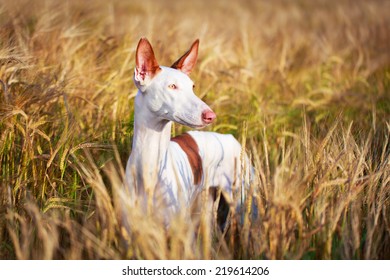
(150, 145)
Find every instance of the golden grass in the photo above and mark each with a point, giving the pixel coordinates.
(304, 84)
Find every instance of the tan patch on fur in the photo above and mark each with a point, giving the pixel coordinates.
(189, 146)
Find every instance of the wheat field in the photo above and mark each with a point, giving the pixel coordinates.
(304, 85)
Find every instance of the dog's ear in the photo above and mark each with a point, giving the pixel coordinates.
(188, 60)
(146, 64)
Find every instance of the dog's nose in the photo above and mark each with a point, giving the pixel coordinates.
(208, 116)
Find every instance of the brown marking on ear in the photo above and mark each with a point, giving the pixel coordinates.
(188, 60)
(146, 62)
(189, 146)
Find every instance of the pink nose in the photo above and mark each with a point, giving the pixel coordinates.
(208, 116)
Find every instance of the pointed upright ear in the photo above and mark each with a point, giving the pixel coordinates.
(146, 64)
(188, 60)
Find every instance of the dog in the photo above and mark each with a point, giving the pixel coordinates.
(171, 172)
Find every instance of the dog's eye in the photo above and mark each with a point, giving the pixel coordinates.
(193, 86)
(172, 86)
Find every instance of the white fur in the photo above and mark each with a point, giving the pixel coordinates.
(157, 166)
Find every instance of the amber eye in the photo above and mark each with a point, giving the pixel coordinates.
(172, 86)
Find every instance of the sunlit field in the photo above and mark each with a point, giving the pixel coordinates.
(303, 85)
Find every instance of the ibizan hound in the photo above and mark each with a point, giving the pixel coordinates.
(173, 171)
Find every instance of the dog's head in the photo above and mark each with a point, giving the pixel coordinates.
(168, 92)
